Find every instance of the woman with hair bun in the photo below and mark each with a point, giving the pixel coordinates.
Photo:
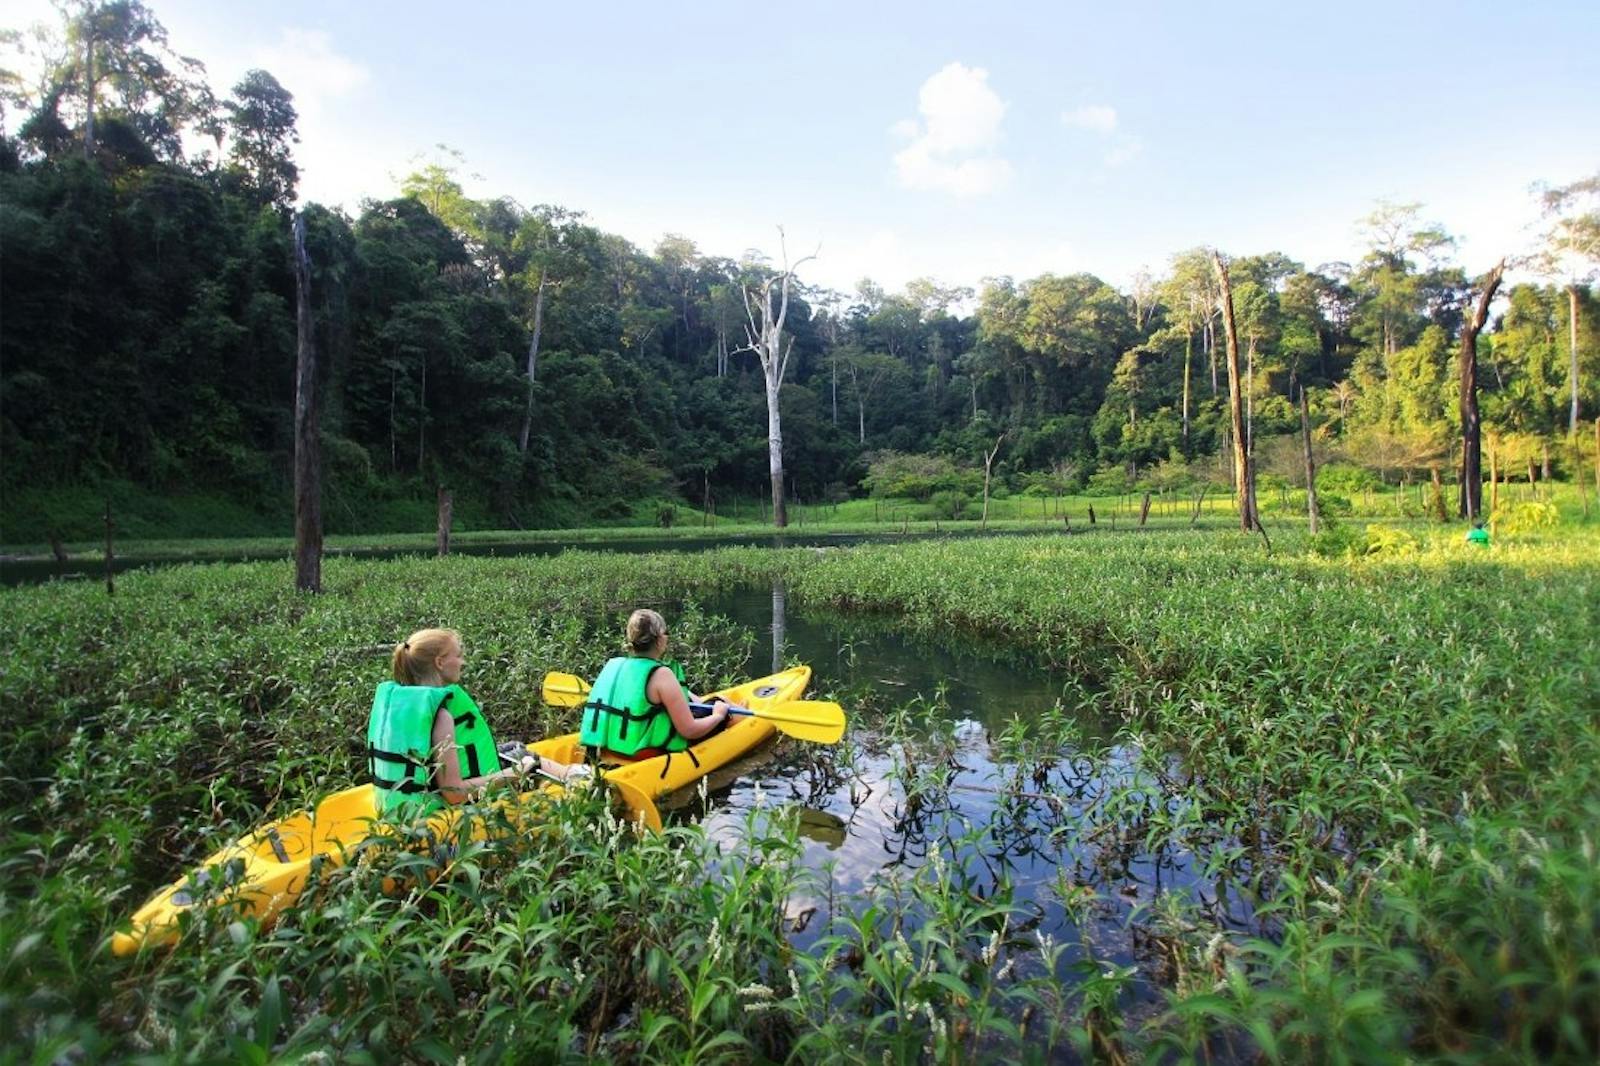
(639, 706)
(428, 743)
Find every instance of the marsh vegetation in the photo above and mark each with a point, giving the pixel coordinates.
(1297, 805)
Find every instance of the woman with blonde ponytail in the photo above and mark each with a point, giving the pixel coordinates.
(428, 743)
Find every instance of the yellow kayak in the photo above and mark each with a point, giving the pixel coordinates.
(664, 774)
(261, 874)
(265, 872)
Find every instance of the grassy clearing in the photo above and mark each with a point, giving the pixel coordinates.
(1281, 509)
(1391, 757)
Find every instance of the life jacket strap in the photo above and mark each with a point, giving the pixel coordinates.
(405, 786)
(689, 751)
(596, 707)
(374, 753)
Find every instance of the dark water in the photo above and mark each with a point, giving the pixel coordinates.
(15, 570)
(977, 811)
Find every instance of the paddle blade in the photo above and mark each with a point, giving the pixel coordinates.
(564, 690)
(817, 721)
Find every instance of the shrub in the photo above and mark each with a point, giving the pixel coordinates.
(1332, 503)
(1525, 517)
(1346, 477)
(1110, 480)
(891, 474)
(1389, 540)
(1335, 540)
(949, 504)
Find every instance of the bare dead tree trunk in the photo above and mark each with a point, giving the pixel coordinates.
(1188, 352)
(307, 442)
(988, 469)
(764, 334)
(533, 364)
(1244, 478)
(1471, 497)
(1311, 467)
(446, 506)
(1572, 337)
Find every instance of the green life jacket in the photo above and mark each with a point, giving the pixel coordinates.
(400, 733)
(619, 716)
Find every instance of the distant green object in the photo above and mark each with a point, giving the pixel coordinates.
(1478, 535)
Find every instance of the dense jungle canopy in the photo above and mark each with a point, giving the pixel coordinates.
(148, 337)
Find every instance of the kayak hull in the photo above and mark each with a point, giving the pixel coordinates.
(265, 872)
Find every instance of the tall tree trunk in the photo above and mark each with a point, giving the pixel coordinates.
(1244, 476)
(988, 469)
(780, 509)
(533, 365)
(1311, 467)
(1188, 354)
(446, 506)
(307, 437)
(1572, 336)
(765, 338)
(1471, 497)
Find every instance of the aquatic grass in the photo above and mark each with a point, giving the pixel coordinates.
(1380, 773)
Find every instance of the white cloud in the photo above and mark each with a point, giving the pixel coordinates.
(1097, 117)
(952, 145)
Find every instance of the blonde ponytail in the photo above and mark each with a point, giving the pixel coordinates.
(415, 657)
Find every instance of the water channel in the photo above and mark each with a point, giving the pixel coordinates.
(17, 569)
(1004, 824)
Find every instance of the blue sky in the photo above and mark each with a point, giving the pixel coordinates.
(935, 139)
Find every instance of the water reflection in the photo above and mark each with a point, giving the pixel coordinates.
(924, 771)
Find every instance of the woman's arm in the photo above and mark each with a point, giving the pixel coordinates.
(447, 767)
(665, 690)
